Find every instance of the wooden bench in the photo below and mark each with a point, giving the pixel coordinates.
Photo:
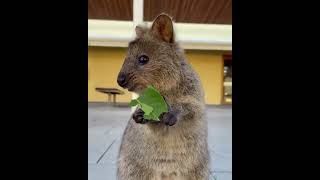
(110, 91)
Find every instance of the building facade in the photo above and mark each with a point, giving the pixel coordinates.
(204, 30)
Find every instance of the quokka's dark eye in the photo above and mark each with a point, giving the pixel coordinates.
(143, 59)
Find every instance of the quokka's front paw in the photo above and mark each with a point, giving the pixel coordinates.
(138, 117)
(169, 118)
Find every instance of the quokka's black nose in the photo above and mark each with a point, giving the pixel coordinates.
(121, 79)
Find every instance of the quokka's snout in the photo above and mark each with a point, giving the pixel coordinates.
(122, 79)
(125, 80)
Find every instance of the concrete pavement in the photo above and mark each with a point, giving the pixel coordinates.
(106, 125)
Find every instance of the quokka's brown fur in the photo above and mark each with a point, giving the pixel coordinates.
(158, 151)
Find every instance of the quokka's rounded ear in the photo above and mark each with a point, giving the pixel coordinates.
(139, 31)
(162, 28)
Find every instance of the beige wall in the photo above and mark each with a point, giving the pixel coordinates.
(105, 62)
(209, 66)
(104, 65)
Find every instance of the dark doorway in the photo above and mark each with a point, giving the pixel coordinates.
(227, 80)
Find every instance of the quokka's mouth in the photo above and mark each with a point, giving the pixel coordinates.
(135, 88)
(132, 88)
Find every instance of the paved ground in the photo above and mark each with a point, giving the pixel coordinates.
(106, 125)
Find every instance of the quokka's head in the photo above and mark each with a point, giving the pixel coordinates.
(153, 58)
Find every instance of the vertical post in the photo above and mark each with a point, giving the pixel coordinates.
(137, 12)
(109, 97)
(114, 99)
(137, 19)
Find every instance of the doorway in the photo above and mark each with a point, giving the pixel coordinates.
(227, 79)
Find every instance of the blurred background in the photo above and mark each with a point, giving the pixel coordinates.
(203, 28)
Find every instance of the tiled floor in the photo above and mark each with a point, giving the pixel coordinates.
(106, 125)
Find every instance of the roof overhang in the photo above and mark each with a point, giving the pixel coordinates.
(110, 33)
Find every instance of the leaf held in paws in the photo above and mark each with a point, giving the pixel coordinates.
(152, 103)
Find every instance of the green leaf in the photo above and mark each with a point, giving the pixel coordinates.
(133, 102)
(146, 108)
(151, 103)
